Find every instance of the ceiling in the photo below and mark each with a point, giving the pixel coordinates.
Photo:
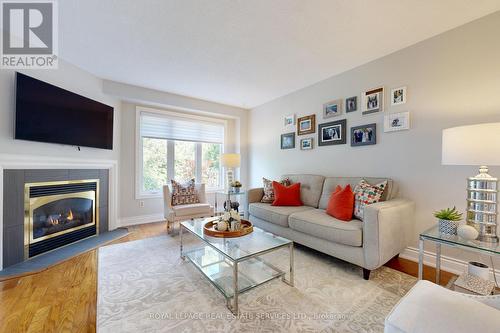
(246, 53)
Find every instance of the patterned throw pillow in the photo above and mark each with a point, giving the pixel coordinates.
(366, 194)
(184, 194)
(269, 191)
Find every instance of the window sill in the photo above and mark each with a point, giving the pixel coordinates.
(148, 196)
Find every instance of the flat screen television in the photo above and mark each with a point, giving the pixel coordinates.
(47, 113)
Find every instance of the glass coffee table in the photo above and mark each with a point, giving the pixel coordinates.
(235, 265)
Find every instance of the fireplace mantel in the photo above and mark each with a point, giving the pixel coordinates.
(27, 162)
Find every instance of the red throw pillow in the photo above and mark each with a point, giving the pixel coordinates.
(286, 195)
(341, 203)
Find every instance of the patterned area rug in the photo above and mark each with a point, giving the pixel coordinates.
(143, 286)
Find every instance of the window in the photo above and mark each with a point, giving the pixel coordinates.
(173, 147)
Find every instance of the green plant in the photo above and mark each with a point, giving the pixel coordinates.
(450, 214)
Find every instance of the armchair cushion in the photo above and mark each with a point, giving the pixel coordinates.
(431, 308)
(192, 209)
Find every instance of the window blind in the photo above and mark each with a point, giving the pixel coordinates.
(177, 128)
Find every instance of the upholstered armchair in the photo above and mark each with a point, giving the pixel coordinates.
(185, 212)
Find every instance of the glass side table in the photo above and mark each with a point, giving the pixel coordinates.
(228, 195)
(433, 235)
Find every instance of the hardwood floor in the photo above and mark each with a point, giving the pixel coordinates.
(63, 298)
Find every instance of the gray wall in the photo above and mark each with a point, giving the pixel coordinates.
(453, 79)
(13, 204)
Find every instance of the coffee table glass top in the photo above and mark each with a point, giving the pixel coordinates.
(454, 240)
(238, 248)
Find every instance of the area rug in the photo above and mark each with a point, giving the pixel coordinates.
(144, 286)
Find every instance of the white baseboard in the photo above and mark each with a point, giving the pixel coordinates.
(134, 220)
(448, 264)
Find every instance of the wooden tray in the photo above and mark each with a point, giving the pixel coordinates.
(210, 230)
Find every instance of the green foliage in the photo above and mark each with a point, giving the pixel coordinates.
(154, 163)
(450, 214)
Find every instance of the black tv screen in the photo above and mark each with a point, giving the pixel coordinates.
(47, 113)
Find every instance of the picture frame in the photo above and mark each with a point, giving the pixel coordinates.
(332, 109)
(364, 135)
(306, 144)
(306, 125)
(398, 96)
(373, 101)
(289, 122)
(288, 140)
(351, 104)
(394, 122)
(332, 133)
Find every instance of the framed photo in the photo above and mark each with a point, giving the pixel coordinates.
(398, 96)
(332, 108)
(288, 140)
(373, 101)
(306, 125)
(332, 133)
(364, 135)
(306, 144)
(289, 122)
(394, 122)
(351, 104)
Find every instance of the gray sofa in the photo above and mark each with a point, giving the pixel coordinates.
(384, 233)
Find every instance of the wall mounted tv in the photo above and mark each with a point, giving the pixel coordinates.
(47, 113)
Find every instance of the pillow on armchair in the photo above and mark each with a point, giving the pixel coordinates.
(184, 194)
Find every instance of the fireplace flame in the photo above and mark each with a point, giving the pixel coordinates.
(53, 221)
(70, 216)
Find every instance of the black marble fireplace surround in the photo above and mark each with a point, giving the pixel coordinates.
(13, 203)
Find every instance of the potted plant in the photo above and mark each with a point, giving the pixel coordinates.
(449, 220)
(235, 186)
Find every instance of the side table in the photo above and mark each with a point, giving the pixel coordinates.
(439, 239)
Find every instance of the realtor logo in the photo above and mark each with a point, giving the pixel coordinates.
(29, 34)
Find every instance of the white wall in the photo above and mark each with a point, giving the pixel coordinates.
(130, 210)
(68, 77)
(452, 79)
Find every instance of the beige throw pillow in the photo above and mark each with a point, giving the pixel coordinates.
(184, 194)
(366, 194)
(269, 191)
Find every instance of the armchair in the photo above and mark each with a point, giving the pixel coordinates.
(185, 212)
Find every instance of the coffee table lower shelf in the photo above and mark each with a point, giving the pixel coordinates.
(219, 271)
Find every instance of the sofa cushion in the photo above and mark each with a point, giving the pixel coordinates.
(275, 214)
(310, 187)
(332, 182)
(268, 189)
(192, 209)
(317, 223)
(341, 204)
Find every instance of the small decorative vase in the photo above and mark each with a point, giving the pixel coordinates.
(467, 232)
(448, 227)
(222, 225)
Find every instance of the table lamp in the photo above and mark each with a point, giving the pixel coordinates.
(230, 162)
(477, 145)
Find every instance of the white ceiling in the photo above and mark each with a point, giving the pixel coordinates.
(246, 53)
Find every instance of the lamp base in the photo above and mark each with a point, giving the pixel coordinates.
(487, 239)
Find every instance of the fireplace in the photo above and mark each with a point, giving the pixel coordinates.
(59, 213)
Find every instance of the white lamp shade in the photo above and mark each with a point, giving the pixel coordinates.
(231, 160)
(472, 145)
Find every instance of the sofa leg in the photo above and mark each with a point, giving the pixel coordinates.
(366, 274)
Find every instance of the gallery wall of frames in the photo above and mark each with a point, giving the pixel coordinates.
(332, 128)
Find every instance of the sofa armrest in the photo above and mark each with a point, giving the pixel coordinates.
(387, 228)
(167, 201)
(202, 195)
(255, 195)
